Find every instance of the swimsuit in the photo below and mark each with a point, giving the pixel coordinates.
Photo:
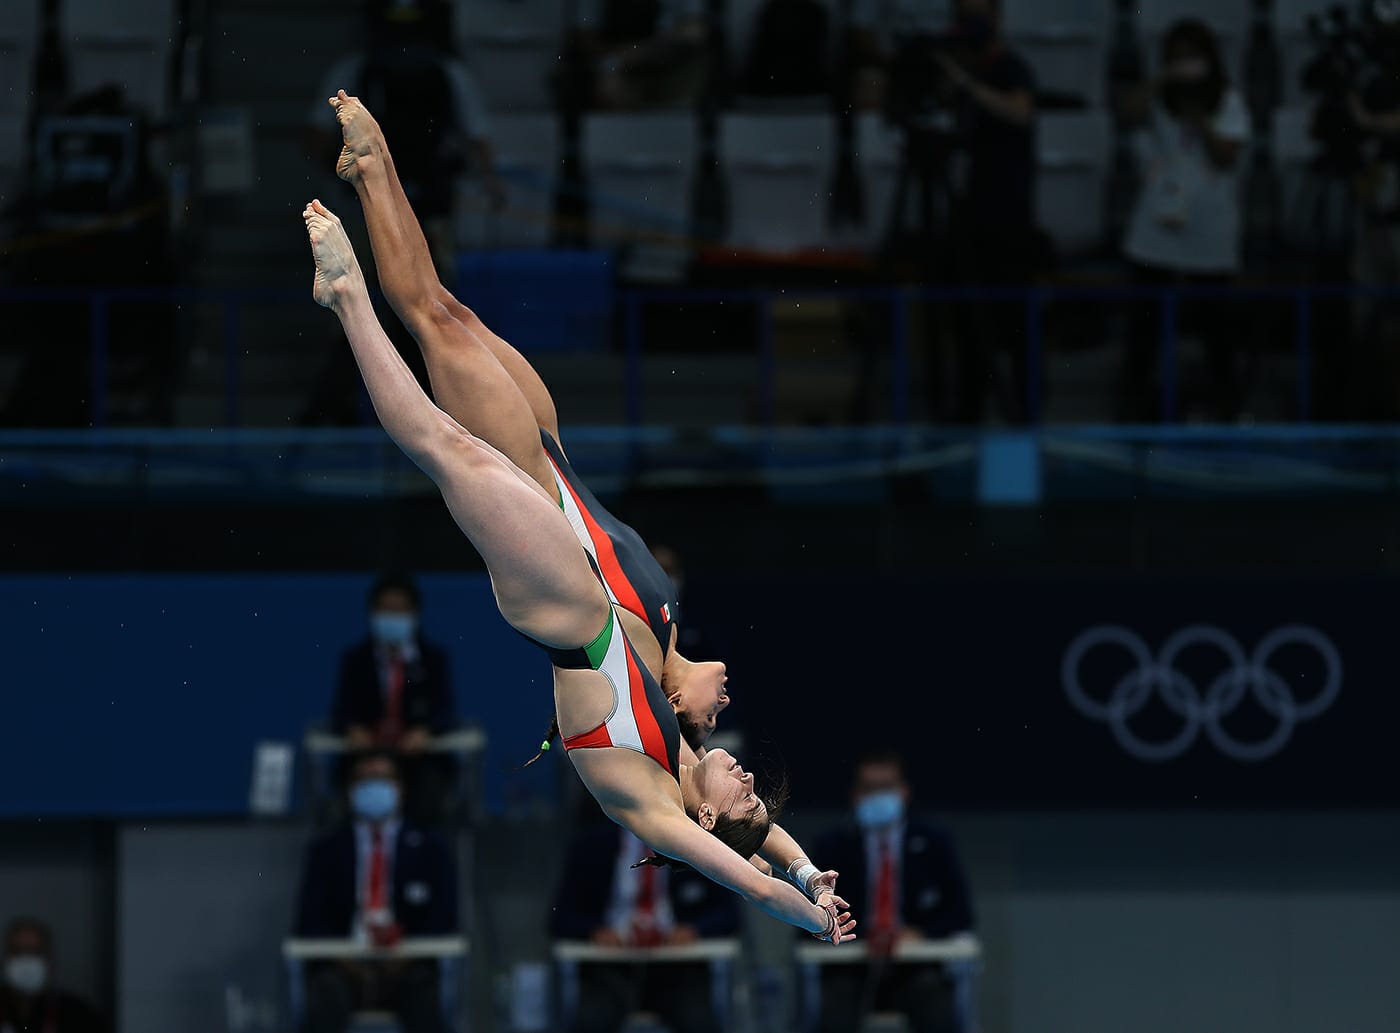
(633, 578)
(641, 718)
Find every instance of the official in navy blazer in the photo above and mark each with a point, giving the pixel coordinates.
(378, 879)
(394, 691)
(903, 878)
(365, 693)
(602, 899)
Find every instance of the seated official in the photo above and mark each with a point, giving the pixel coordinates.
(394, 692)
(601, 898)
(903, 878)
(29, 1000)
(377, 879)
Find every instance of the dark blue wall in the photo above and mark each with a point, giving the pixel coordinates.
(145, 695)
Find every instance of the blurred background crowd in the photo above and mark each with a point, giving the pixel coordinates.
(1007, 386)
(981, 199)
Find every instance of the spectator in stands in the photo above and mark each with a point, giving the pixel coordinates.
(624, 55)
(93, 211)
(377, 879)
(394, 691)
(1185, 226)
(903, 877)
(790, 55)
(601, 898)
(423, 95)
(29, 1000)
(992, 228)
(878, 29)
(409, 76)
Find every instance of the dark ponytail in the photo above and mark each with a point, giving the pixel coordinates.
(544, 746)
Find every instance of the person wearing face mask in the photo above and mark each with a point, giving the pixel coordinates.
(1185, 228)
(603, 899)
(394, 692)
(377, 879)
(29, 1001)
(905, 877)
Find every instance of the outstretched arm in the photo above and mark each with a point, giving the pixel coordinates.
(541, 578)
(676, 836)
(786, 858)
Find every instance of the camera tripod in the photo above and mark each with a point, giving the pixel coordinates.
(922, 231)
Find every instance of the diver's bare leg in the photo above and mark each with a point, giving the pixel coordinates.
(414, 280)
(541, 578)
(468, 380)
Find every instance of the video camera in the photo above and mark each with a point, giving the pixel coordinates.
(1353, 56)
(919, 95)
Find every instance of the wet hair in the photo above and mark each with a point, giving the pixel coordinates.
(692, 731)
(551, 733)
(746, 835)
(742, 835)
(394, 581)
(29, 924)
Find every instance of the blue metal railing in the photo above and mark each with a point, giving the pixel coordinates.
(842, 464)
(232, 302)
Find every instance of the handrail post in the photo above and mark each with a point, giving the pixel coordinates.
(232, 367)
(767, 364)
(1303, 313)
(899, 352)
(1035, 358)
(97, 336)
(632, 373)
(1168, 354)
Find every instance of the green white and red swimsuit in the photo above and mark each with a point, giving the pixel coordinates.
(633, 578)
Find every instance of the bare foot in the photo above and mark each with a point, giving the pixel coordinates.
(337, 271)
(360, 133)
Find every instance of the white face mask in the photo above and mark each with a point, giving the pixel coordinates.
(27, 973)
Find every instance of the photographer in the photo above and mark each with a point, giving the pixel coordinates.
(1185, 226)
(1348, 212)
(991, 92)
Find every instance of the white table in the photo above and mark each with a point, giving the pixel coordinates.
(961, 954)
(467, 745)
(577, 951)
(417, 947)
(719, 954)
(962, 947)
(464, 742)
(450, 952)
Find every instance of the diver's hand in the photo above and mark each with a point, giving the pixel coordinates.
(840, 925)
(822, 882)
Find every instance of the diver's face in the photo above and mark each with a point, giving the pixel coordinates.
(729, 790)
(698, 693)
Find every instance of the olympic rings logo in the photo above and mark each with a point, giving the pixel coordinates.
(1242, 676)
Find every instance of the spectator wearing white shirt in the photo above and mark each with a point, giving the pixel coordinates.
(1185, 226)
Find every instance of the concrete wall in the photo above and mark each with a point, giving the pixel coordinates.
(1092, 922)
(1212, 923)
(62, 874)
